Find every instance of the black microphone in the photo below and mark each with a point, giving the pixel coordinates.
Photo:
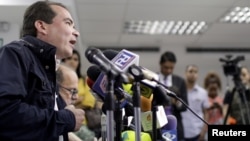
(96, 56)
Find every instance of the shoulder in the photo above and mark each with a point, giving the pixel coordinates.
(14, 46)
(201, 90)
(14, 50)
(178, 78)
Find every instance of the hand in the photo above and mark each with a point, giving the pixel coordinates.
(175, 102)
(79, 116)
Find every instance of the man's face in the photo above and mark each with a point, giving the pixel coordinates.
(167, 68)
(62, 33)
(70, 83)
(192, 74)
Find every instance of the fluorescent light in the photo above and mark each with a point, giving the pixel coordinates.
(165, 27)
(237, 15)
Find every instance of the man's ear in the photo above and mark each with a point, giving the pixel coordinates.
(41, 27)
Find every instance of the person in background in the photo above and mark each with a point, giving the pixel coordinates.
(67, 81)
(166, 76)
(212, 84)
(28, 102)
(239, 112)
(86, 100)
(194, 128)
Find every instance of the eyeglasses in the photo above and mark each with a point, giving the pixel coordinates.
(73, 91)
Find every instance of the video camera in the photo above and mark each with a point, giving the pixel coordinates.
(231, 66)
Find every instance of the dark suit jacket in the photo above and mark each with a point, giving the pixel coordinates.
(179, 87)
(179, 84)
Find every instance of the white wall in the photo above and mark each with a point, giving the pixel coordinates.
(10, 35)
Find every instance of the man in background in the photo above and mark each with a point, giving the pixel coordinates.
(67, 80)
(166, 76)
(194, 128)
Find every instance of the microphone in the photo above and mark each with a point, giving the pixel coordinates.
(123, 60)
(125, 90)
(169, 132)
(93, 72)
(90, 82)
(129, 135)
(126, 60)
(149, 76)
(95, 56)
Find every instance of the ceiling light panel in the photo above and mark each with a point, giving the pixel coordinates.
(237, 15)
(165, 27)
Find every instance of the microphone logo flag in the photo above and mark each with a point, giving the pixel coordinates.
(125, 58)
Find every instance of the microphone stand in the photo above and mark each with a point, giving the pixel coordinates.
(118, 122)
(241, 91)
(138, 76)
(109, 99)
(159, 98)
(154, 117)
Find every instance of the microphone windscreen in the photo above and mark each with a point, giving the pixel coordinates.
(129, 135)
(146, 103)
(110, 54)
(93, 72)
(169, 132)
(172, 122)
(127, 88)
(90, 82)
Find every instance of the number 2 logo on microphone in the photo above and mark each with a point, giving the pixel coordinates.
(123, 59)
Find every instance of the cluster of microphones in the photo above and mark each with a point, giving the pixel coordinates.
(133, 98)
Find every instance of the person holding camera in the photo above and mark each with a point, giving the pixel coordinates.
(239, 100)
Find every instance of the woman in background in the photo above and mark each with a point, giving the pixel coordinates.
(212, 84)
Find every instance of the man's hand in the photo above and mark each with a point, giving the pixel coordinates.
(79, 116)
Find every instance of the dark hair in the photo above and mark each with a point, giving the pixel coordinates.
(212, 77)
(40, 10)
(78, 69)
(168, 56)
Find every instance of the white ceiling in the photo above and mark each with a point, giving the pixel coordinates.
(101, 21)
